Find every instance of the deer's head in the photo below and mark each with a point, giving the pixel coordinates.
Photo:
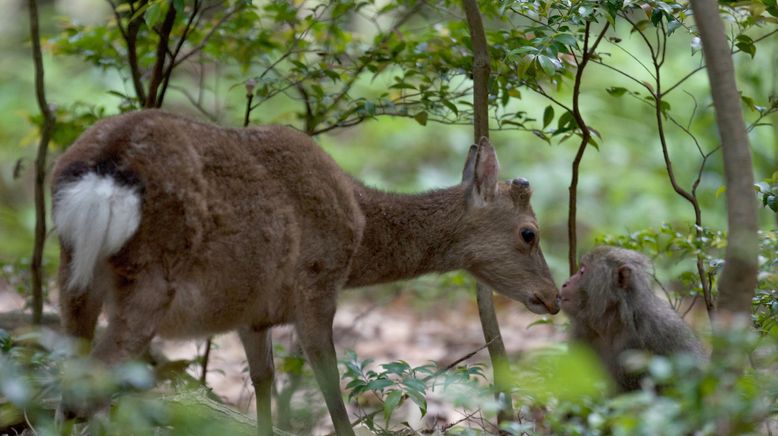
(502, 236)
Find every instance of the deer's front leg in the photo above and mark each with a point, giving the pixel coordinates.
(259, 353)
(314, 327)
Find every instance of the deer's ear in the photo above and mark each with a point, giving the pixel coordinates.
(468, 173)
(487, 168)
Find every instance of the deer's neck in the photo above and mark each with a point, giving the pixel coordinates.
(407, 235)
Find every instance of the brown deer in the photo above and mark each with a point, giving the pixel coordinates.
(185, 229)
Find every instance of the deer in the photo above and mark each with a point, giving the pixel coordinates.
(182, 229)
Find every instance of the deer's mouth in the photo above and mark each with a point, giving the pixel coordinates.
(540, 306)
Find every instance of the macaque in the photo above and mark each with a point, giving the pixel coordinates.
(612, 308)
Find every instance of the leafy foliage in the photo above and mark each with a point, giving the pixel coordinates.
(398, 382)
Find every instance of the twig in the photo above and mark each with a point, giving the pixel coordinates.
(691, 305)
(208, 35)
(455, 423)
(453, 364)
(206, 357)
(194, 102)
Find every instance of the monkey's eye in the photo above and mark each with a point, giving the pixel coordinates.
(528, 235)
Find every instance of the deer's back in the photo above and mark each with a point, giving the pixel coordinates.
(240, 219)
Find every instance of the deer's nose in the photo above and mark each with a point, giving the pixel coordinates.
(552, 305)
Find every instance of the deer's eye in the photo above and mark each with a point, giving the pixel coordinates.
(528, 235)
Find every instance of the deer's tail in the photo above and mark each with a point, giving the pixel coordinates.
(95, 215)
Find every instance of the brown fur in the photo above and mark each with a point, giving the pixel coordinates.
(613, 308)
(250, 228)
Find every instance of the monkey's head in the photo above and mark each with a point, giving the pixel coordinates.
(606, 281)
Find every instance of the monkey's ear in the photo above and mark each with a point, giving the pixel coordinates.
(623, 277)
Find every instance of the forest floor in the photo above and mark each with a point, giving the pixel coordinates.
(396, 327)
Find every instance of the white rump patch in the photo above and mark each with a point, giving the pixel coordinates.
(95, 216)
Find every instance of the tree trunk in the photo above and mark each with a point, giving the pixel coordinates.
(738, 278)
(40, 169)
(486, 311)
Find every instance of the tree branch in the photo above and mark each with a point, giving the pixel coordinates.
(40, 168)
(187, 28)
(161, 56)
(585, 137)
(130, 38)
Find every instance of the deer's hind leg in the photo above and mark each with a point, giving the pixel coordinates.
(258, 345)
(80, 308)
(137, 309)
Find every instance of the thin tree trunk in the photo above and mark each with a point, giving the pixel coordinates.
(40, 168)
(486, 311)
(738, 278)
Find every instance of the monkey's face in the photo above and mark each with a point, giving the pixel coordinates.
(572, 296)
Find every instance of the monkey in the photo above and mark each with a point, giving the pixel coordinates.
(612, 308)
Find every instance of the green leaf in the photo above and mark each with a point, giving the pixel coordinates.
(722, 189)
(656, 16)
(761, 187)
(566, 39)
(665, 107)
(398, 367)
(155, 12)
(772, 7)
(421, 118)
(547, 65)
(616, 91)
(566, 122)
(402, 85)
(524, 64)
(420, 401)
(746, 44)
(414, 384)
(772, 203)
(543, 320)
(451, 106)
(379, 384)
(391, 402)
(548, 116)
